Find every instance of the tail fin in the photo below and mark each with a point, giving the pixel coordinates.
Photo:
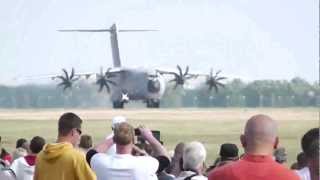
(113, 37)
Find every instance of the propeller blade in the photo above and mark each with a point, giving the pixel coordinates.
(62, 78)
(215, 87)
(220, 78)
(111, 82)
(180, 70)
(100, 87)
(108, 88)
(187, 71)
(66, 74)
(217, 73)
(72, 73)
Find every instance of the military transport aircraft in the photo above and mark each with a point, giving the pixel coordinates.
(126, 84)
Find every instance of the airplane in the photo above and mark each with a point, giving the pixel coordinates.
(131, 84)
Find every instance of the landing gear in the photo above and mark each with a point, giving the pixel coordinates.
(153, 103)
(118, 104)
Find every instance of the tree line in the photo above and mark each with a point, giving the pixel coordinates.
(237, 93)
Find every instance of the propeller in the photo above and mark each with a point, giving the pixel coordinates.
(66, 79)
(103, 80)
(213, 81)
(181, 77)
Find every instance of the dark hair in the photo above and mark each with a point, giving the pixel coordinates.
(310, 143)
(37, 144)
(302, 160)
(85, 141)
(67, 122)
(3, 153)
(20, 142)
(228, 150)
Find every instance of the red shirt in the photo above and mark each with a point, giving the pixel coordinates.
(253, 167)
(8, 158)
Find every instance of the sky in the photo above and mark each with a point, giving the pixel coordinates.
(248, 39)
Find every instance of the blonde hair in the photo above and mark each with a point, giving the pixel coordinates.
(123, 134)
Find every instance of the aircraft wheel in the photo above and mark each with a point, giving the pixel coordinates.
(153, 103)
(118, 105)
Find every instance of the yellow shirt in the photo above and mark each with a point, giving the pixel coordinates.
(60, 161)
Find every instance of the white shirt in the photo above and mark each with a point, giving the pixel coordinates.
(112, 150)
(22, 169)
(304, 173)
(124, 167)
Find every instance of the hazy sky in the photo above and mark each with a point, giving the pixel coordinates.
(251, 39)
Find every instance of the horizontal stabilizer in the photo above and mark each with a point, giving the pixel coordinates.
(106, 30)
(85, 30)
(137, 30)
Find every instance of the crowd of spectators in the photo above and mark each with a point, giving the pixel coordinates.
(118, 157)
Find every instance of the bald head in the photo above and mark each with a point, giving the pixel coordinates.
(260, 132)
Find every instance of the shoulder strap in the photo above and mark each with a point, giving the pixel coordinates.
(189, 177)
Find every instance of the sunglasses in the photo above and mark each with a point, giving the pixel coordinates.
(79, 131)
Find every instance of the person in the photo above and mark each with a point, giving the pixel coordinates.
(176, 163)
(228, 153)
(23, 167)
(280, 155)
(194, 156)
(5, 157)
(259, 140)
(123, 163)
(85, 143)
(115, 120)
(302, 162)
(6, 173)
(19, 152)
(61, 160)
(310, 146)
(23, 143)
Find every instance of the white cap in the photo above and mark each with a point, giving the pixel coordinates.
(118, 120)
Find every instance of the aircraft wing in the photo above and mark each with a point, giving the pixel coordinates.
(176, 73)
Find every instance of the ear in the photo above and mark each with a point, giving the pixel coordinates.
(276, 143)
(243, 140)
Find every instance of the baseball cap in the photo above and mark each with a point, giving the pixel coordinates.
(118, 120)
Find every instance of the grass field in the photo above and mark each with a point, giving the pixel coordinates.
(210, 126)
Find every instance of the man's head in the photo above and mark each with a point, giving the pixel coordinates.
(302, 160)
(70, 126)
(22, 143)
(123, 134)
(308, 143)
(229, 151)
(280, 155)
(194, 155)
(310, 146)
(260, 135)
(37, 144)
(85, 141)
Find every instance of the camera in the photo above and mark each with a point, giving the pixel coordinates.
(155, 133)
